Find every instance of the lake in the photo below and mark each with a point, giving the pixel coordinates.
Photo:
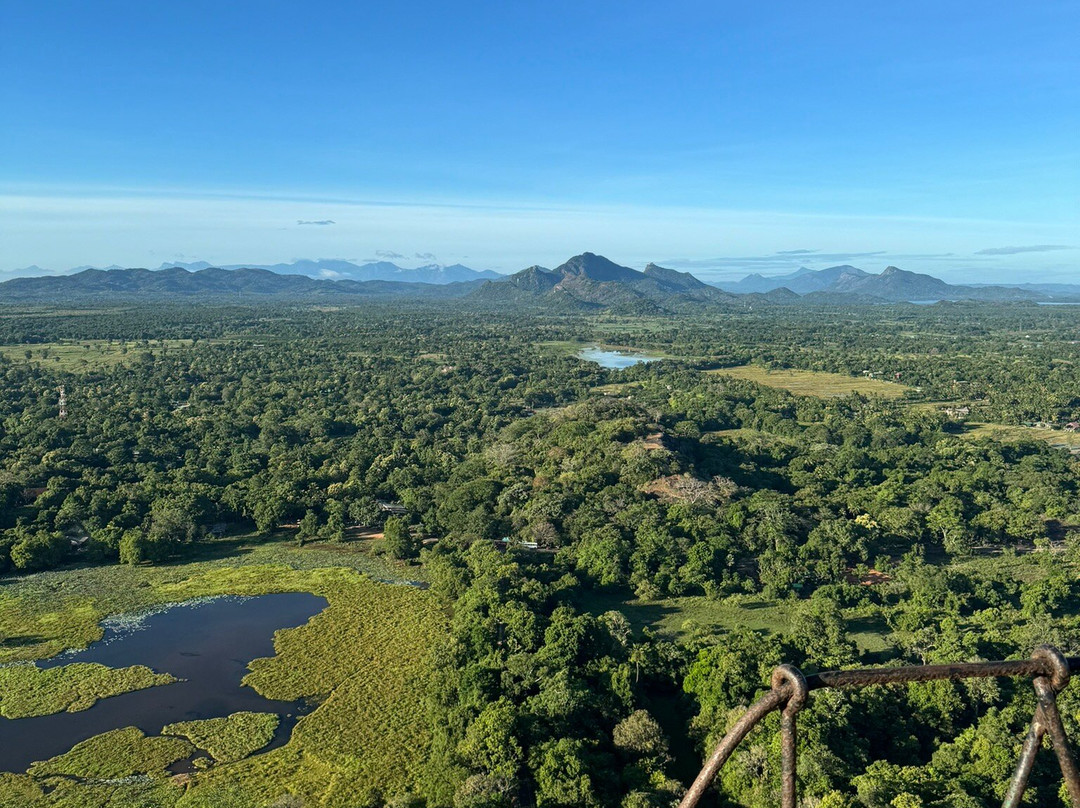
(207, 642)
(615, 360)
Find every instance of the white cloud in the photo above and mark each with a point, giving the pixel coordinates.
(1031, 248)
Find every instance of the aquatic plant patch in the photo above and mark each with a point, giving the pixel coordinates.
(117, 754)
(26, 690)
(228, 739)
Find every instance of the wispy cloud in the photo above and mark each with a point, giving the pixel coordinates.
(143, 229)
(320, 222)
(388, 255)
(848, 256)
(788, 261)
(426, 256)
(777, 261)
(1030, 248)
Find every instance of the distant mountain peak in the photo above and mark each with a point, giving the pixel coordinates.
(32, 271)
(597, 268)
(591, 281)
(192, 267)
(802, 281)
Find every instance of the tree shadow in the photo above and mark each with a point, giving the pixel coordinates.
(22, 641)
(877, 626)
(754, 605)
(212, 550)
(641, 614)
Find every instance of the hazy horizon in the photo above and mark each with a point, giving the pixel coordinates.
(764, 266)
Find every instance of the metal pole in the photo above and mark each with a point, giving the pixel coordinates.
(765, 705)
(1019, 781)
(787, 675)
(1048, 714)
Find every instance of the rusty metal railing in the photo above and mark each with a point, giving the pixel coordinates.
(1048, 669)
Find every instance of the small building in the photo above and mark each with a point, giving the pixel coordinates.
(507, 541)
(392, 508)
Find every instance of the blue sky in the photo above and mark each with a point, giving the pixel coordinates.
(727, 137)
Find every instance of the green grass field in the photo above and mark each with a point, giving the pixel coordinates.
(813, 382)
(79, 355)
(616, 388)
(748, 435)
(686, 616)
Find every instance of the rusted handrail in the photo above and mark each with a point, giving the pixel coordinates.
(1047, 667)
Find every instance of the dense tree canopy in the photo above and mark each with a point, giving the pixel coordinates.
(550, 489)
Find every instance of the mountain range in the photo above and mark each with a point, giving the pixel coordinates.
(893, 285)
(322, 269)
(586, 282)
(210, 284)
(337, 269)
(803, 281)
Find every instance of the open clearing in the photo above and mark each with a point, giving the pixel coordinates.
(685, 616)
(1008, 433)
(78, 355)
(813, 382)
(748, 435)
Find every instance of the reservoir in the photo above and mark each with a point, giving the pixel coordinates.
(208, 643)
(615, 360)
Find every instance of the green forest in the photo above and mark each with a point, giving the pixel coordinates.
(612, 560)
